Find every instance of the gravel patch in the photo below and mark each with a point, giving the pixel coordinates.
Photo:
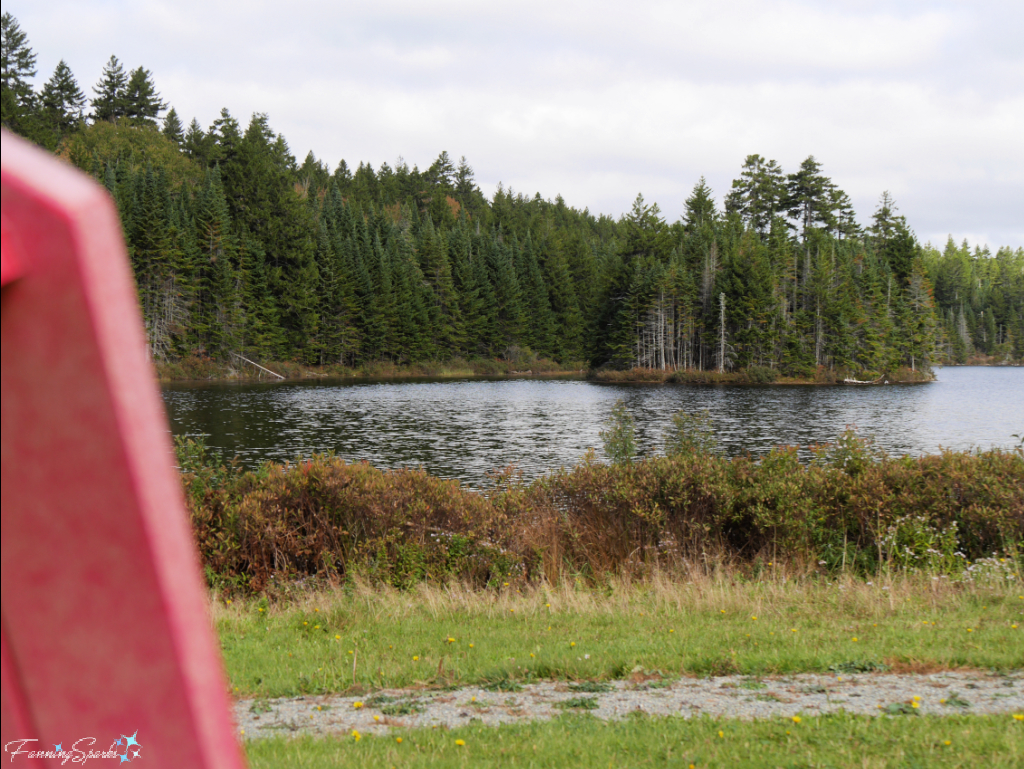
(744, 697)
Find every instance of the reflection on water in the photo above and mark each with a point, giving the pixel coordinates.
(463, 429)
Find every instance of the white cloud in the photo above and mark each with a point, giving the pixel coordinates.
(598, 101)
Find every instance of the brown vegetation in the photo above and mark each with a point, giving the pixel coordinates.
(847, 509)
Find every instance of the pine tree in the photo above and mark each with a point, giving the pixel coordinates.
(759, 195)
(807, 197)
(540, 322)
(142, 102)
(17, 64)
(62, 102)
(196, 143)
(172, 127)
(111, 100)
(892, 238)
(700, 207)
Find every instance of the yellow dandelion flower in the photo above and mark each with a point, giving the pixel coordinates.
(451, 640)
(754, 618)
(460, 743)
(1018, 716)
(1013, 627)
(793, 629)
(316, 627)
(917, 698)
(337, 638)
(229, 602)
(416, 658)
(398, 740)
(547, 606)
(376, 718)
(970, 630)
(915, 704)
(948, 742)
(722, 735)
(854, 638)
(796, 719)
(356, 735)
(531, 655)
(472, 699)
(722, 610)
(357, 705)
(671, 630)
(471, 646)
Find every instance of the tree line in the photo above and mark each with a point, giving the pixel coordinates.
(238, 248)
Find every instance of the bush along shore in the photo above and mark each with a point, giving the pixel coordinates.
(196, 369)
(850, 508)
(761, 375)
(524, 363)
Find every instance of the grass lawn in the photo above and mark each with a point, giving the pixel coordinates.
(357, 639)
(580, 741)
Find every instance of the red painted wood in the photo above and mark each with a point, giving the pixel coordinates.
(105, 627)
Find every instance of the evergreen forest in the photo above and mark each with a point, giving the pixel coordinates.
(240, 249)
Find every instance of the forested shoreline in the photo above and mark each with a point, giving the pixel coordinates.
(239, 249)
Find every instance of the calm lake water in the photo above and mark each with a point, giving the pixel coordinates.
(463, 429)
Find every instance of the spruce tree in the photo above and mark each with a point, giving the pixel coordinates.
(111, 100)
(172, 127)
(62, 102)
(17, 64)
(142, 102)
(759, 194)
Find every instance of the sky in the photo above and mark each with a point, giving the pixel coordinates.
(598, 101)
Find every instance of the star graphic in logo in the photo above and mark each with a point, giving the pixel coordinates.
(132, 740)
(125, 759)
(57, 747)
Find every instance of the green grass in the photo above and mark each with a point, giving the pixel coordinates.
(581, 741)
(363, 639)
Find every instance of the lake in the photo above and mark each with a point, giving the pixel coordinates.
(465, 428)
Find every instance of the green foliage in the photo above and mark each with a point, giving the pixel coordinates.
(761, 374)
(397, 266)
(578, 703)
(838, 740)
(943, 514)
(690, 434)
(111, 102)
(619, 435)
(17, 65)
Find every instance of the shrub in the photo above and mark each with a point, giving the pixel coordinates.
(619, 435)
(761, 374)
(851, 506)
(690, 434)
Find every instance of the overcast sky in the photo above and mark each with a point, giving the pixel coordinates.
(599, 101)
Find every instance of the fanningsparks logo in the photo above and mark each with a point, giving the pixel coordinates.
(124, 750)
